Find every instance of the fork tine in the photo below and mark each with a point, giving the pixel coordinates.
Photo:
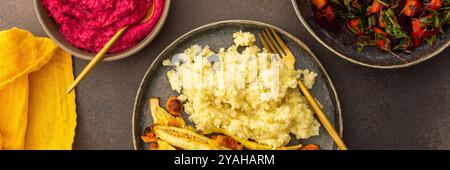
(283, 45)
(270, 44)
(264, 43)
(281, 51)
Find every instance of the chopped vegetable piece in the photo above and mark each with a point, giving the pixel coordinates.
(381, 39)
(417, 25)
(416, 39)
(328, 14)
(411, 8)
(382, 3)
(372, 21)
(380, 32)
(374, 8)
(355, 26)
(355, 4)
(319, 4)
(435, 4)
(381, 20)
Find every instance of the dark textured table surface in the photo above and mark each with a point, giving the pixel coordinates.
(382, 109)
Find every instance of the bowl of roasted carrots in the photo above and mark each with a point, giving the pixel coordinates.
(378, 33)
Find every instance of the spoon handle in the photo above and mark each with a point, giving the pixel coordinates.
(96, 59)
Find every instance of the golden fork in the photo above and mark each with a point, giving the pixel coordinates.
(277, 45)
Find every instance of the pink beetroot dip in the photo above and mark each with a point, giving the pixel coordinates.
(89, 24)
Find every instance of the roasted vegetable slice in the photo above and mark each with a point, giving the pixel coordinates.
(253, 145)
(185, 139)
(411, 8)
(161, 145)
(226, 141)
(153, 146)
(164, 145)
(149, 135)
(293, 147)
(161, 117)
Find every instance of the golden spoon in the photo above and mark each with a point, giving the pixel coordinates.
(104, 50)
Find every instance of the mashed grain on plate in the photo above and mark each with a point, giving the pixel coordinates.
(247, 93)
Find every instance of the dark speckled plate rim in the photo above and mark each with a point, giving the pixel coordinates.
(338, 112)
(408, 64)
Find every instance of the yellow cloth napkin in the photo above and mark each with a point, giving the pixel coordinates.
(35, 111)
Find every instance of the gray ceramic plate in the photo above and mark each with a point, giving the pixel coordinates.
(216, 35)
(343, 43)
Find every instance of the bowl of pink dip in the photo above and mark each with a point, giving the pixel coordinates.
(83, 27)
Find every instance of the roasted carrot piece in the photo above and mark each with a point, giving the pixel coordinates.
(174, 106)
(149, 135)
(310, 147)
(174, 123)
(226, 141)
(153, 146)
